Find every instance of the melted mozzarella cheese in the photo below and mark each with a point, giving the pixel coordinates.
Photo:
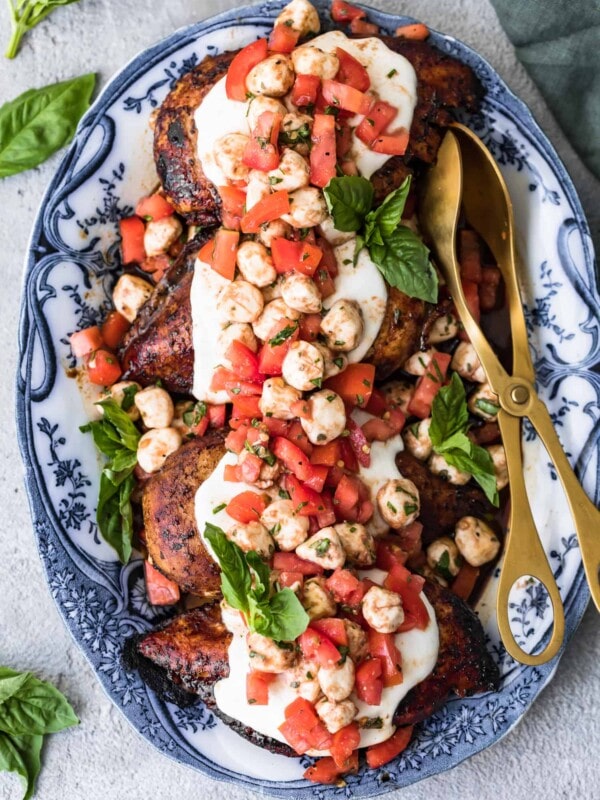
(364, 284)
(419, 651)
(206, 327)
(393, 79)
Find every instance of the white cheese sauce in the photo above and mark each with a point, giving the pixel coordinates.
(364, 284)
(207, 324)
(419, 650)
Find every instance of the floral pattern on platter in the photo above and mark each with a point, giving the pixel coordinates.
(70, 273)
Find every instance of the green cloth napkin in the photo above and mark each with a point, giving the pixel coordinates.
(558, 42)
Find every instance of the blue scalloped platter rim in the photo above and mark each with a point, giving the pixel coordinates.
(102, 603)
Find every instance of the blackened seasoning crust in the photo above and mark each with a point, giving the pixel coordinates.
(464, 666)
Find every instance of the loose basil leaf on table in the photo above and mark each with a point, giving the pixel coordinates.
(39, 122)
(25, 15)
(29, 708)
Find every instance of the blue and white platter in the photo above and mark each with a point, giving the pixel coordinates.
(71, 267)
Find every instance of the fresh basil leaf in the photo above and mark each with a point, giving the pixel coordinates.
(25, 15)
(11, 760)
(285, 618)
(10, 685)
(124, 460)
(114, 513)
(236, 580)
(36, 707)
(478, 463)
(122, 423)
(129, 394)
(39, 122)
(261, 584)
(349, 200)
(383, 221)
(105, 437)
(404, 263)
(449, 413)
(30, 748)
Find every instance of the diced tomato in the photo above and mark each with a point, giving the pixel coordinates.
(316, 478)
(301, 408)
(377, 404)
(233, 200)
(380, 430)
(243, 62)
(132, 231)
(376, 120)
(305, 89)
(297, 435)
(489, 288)
(416, 31)
(262, 152)
(354, 384)
(250, 468)
(276, 427)
(346, 587)
(269, 208)
(348, 457)
(322, 154)
(246, 406)
(236, 439)
(469, 255)
(380, 754)
(351, 499)
(288, 580)
(207, 251)
(465, 581)
(359, 443)
(283, 38)
(114, 328)
(391, 144)
(340, 95)
(232, 473)
(221, 378)
(388, 554)
(154, 207)
(409, 587)
(302, 726)
(318, 647)
(369, 681)
(216, 415)
(270, 356)
(325, 282)
(160, 590)
(103, 368)
(290, 562)
(382, 646)
(246, 507)
(156, 265)
(225, 253)
(364, 28)
(471, 293)
(326, 516)
(351, 71)
(409, 538)
(344, 12)
(297, 738)
(243, 361)
(297, 462)
(345, 742)
(310, 325)
(291, 256)
(85, 341)
(306, 501)
(257, 687)
(429, 385)
(327, 454)
(324, 771)
(328, 259)
(333, 628)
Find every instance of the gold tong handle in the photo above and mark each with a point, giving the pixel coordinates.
(586, 516)
(523, 552)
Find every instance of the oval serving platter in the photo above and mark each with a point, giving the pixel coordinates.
(71, 266)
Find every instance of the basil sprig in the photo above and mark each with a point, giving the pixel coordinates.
(448, 434)
(117, 438)
(29, 709)
(39, 122)
(246, 586)
(25, 15)
(400, 255)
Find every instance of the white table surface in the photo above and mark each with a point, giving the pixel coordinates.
(553, 753)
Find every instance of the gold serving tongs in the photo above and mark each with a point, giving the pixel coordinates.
(466, 173)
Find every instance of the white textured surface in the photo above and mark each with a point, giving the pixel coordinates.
(552, 754)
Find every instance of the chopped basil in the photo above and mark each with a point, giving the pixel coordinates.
(284, 334)
(218, 508)
(321, 546)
